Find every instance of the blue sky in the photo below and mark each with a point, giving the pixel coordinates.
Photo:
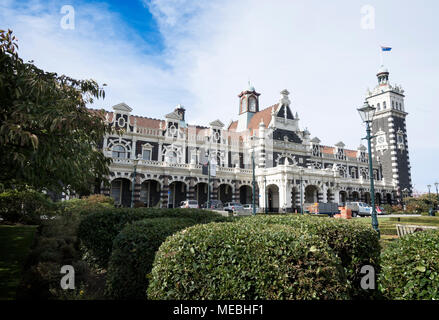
(155, 54)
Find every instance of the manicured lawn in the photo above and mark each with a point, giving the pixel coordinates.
(15, 242)
(387, 225)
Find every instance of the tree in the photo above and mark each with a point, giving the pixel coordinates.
(49, 139)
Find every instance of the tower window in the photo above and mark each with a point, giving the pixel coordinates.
(384, 105)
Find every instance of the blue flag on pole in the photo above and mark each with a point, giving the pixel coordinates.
(386, 48)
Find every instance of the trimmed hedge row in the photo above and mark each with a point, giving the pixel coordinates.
(410, 267)
(246, 261)
(356, 244)
(133, 254)
(99, 228)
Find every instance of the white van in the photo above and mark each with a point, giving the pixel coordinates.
(193, 204)
(359, 209)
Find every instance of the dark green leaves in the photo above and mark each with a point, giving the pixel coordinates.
(48, 137)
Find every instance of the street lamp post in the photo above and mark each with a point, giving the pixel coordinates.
(436, 184)
(430, 211)
(366, 113)
(135, 161)
(208, 179)
(254, 183)
(301, 191)
(265, 191)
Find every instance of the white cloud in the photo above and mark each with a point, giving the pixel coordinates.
(317, 50)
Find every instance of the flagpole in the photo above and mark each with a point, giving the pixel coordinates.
(381, 55)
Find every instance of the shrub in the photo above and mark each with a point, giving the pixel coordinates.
(56, 245)
(98, 230)
(133, 254)
(85, 205)
(236, 261)
(25, 206)
(354, 243)
(410, 267)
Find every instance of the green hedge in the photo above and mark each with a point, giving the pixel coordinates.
(25, 206)
(410, 267)
(98, 229)
(133, 254)
(356, 244)
(234, 261)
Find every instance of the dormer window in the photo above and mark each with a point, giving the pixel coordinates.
(340, 154)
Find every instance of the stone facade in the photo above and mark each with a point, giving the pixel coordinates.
(291, 169)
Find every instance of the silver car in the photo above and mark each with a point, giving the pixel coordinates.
(233, 207)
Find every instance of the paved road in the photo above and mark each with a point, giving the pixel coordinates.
(396, 215)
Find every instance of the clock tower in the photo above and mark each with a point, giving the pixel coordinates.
(389, 145)
(248, 106)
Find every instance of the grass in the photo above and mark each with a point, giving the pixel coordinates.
(387, 225)
(15, 242)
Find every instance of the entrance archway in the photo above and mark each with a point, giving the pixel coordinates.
(200, 192)
(355, 196)
(120, 191)
(225, 192)
(273, 198)
(245, 195)
(311, 194)
(378, 199)
(367, 198)
(177, 194)
(150, 193)
(342, 197)
(389, 198)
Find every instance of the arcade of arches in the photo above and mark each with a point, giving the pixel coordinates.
(154, 193)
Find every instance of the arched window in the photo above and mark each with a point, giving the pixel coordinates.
(384, 105)
(172, 156)
(119, 152)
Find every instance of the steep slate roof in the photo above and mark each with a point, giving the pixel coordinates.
(233, 125)
(264, 115)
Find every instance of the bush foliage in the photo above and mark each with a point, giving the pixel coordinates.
(354, 243)
(56, 245)
(243, 261)
(133, 254)
(410, 267)
(98, 230)
(25, 206)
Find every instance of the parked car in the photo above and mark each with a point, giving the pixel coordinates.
(214, 204)
(249, 207)
(233, 207)
(193, 204)
(359, 209)
(380, 210)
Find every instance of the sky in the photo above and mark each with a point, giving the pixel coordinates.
(156, 54)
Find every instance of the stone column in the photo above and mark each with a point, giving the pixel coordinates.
(164, 192)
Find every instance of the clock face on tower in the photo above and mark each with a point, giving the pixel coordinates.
(252, 104)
